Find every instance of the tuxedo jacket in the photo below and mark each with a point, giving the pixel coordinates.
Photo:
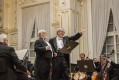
(40, 49)
(43, 59)
(53, 41)
(9, 56)
(114, 70)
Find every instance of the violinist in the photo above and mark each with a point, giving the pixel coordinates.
(97, 69)
(82, 56)
(80, 75)
(87, 75)
(96, 64)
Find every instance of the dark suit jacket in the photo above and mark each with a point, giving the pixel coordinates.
(53, 43)
(114, 70)
(9, 56)
(40, 49)
(43, 58)
(65, 40)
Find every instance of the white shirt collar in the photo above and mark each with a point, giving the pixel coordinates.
(59, 38)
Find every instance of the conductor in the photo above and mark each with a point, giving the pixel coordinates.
(60, 62)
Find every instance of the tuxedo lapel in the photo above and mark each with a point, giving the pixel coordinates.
(64, 40)
(44, 43)
(55, 43)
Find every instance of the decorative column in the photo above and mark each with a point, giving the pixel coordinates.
(54, 16)
(1, 16)
(9, 21)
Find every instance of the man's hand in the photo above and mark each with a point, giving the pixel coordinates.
(82, 30)
(48, 48)
(28, 73)
(55, 54)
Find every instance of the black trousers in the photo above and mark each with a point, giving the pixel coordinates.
(42, 69)
(60, 70)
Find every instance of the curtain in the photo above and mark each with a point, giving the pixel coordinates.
(43, 17)
(100, 17)
(115, 11)
(28, 20)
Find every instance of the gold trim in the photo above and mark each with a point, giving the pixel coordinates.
(20, 2)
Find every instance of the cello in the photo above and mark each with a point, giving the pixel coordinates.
(106, 68)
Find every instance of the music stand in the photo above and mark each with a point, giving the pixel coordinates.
(85, 65)
(68, 47)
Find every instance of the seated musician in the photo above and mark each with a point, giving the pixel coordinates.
(97, 69)
(9, 56)
(82, 75)
(87, 75)
(96, 64)
(82, 56)
(108, 67)
(113, 72)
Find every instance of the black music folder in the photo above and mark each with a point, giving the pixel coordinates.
(68, 47)
(85, 65)
(74, 68)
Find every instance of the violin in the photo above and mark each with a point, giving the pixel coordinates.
(95, 75)
(79, 76)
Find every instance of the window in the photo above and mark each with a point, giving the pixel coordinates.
(31, 48)
(111, 41)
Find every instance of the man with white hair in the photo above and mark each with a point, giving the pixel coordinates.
(43, 57)
(4, 39)
(8, 55)
(60, 62)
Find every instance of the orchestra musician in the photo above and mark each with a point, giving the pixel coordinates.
(113, 73)
(108, 69)
(87, 75)
(82, 75)
(8, 54)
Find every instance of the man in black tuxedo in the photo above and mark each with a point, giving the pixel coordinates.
(113, 72)
(43, 57)
(109, 66)
(9, 56)
(60, 62)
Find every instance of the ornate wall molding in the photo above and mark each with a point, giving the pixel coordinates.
(1, 13)
(81, 2)
(7, 3)
(56, 11)
(21, 2)
(13, 38)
